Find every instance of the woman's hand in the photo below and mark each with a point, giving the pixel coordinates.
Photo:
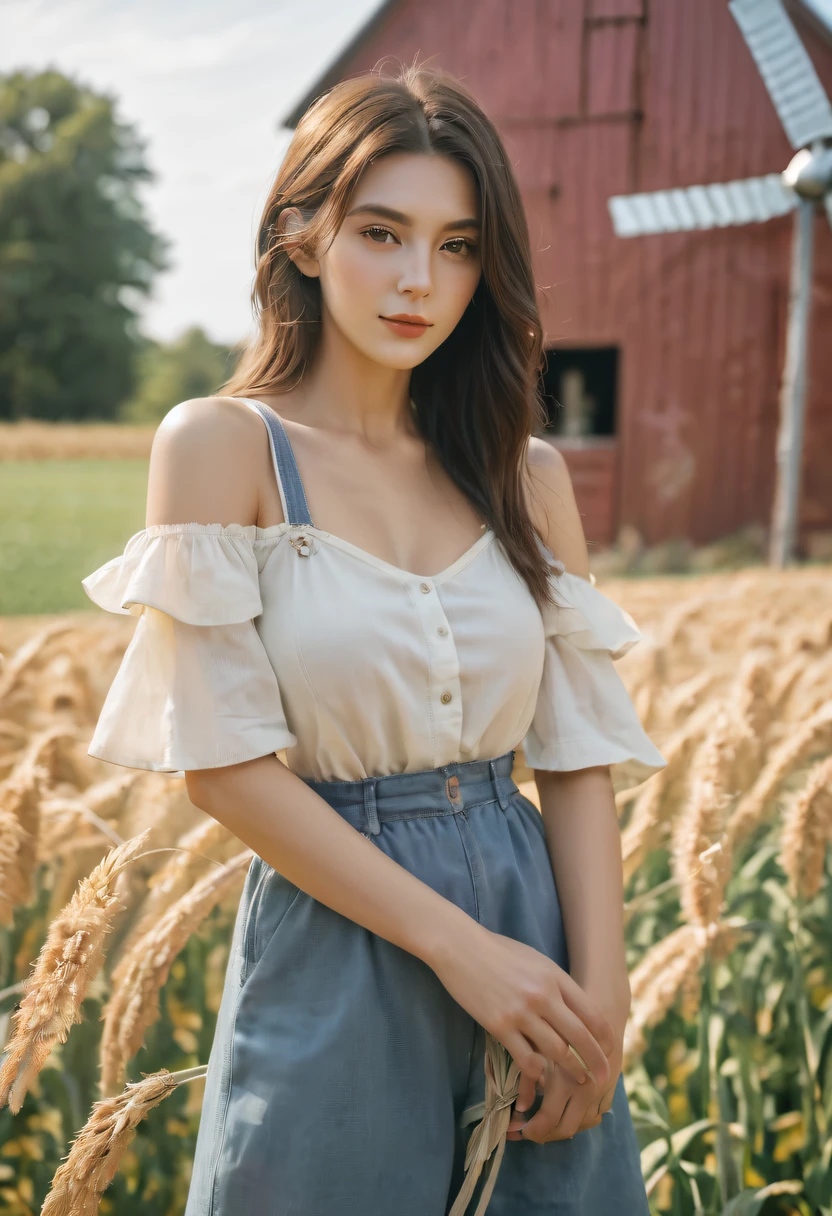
(568, 1108)
(530, 1004)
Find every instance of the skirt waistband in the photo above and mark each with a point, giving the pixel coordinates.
(446, 790)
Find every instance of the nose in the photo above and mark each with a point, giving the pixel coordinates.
(416, 276)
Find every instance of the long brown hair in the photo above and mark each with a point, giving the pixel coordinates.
(477, 397)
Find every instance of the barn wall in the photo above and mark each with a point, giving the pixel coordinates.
(593, 99)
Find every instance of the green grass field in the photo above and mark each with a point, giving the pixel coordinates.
(59, 520)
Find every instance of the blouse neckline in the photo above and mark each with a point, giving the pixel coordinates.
(253, 532)
(288, 478)
(380, 564)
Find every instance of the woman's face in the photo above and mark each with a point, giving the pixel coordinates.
(409, 243)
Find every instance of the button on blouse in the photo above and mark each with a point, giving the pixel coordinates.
(241, 649)
(251, 640)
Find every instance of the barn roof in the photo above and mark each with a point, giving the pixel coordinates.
(336, 68)
(811, 10)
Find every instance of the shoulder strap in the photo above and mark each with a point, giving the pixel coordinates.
(292, 493)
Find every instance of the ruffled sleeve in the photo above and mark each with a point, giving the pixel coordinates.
(195, 688)
(584, 715)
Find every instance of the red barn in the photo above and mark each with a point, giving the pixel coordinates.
(665, 351)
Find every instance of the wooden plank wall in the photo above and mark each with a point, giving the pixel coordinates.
(594, 472)
(602, 97)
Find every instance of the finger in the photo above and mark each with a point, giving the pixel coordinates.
(515, 1124)
(577, 1112)
(585, 1051)
(532, 1063)
(518, 1117)
(589, 1123)
(549, 1046)
(562, 1130)
(565, 1080)
(592, 1116)
(556, 1097)
(589, 1013)
(526, 1092)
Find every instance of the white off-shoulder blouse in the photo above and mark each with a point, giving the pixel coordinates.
(246, 646)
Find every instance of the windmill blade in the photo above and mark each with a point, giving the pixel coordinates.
(786, 69)
(750, 201)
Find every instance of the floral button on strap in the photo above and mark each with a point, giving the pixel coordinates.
(301, 545)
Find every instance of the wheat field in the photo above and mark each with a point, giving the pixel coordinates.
(33, 439)
(117, 899)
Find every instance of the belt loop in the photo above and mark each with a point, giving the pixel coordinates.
(370, 808)
(498, 789)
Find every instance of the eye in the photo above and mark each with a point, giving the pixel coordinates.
(468, 247)
(464, 248)
(375, 229)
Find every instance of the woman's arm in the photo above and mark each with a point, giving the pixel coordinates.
(204, 461)
(517, 993)
(581, 820)
(584, 843)
(582, 833)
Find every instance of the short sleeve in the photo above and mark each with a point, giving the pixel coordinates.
(195, 687)
(584, 715)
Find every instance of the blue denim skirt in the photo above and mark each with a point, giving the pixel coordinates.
(343, 1077)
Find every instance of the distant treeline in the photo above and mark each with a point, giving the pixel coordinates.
(77, 255)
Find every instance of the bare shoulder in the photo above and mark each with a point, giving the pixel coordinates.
(551, 502)
(206, 464)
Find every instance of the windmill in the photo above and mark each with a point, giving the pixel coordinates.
(806, 114)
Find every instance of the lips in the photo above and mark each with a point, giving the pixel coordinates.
(405, 327)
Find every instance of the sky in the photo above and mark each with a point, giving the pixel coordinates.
(206, 83)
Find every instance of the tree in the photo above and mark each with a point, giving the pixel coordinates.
(76, 252)
(192, 366)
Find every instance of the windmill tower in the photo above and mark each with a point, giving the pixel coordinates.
(806, 115)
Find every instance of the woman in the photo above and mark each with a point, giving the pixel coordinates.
(404, 897)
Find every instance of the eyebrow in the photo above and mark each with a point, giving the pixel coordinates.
(401, 218)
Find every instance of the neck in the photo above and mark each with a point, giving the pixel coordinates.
(346, 391)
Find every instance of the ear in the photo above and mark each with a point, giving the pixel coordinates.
(290, 220)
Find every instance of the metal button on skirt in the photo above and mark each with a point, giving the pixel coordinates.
(343, 1076)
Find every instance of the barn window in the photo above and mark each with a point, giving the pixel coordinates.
(580, 391)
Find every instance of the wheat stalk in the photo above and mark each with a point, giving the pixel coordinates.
(701, 854)
(134, 1004)
(487, 1142)
(63, 820)
(670, 969)
(807, 828)
(14, 843)
(656, 805)
(96, 1152)
(28, 655)
(20, 796)
(657, 980)
(750, 704)
(171, 881)
(69, 958)
(685, 698)
(784, 682)
(751, 809)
